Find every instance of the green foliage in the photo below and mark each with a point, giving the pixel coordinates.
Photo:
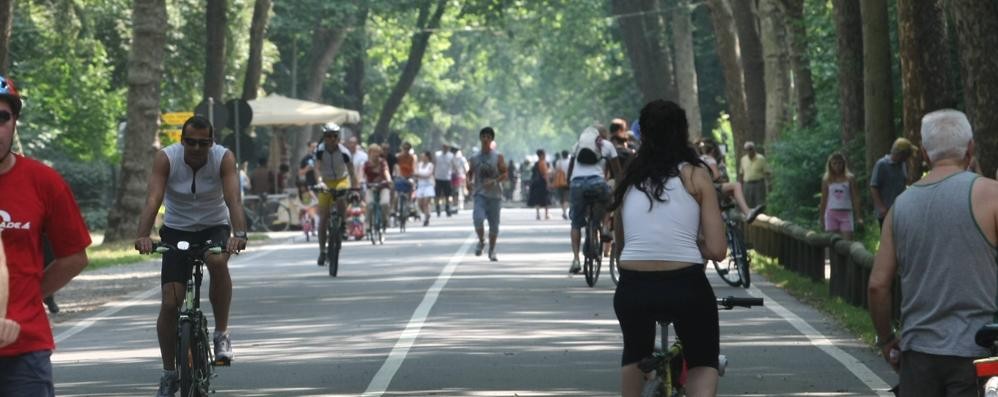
(798, 162)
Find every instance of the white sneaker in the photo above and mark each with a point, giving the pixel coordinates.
(223, 348)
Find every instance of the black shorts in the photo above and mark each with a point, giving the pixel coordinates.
(443, 188)
(177, 268)
(683, 296)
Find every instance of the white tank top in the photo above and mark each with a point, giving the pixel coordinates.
(203, 207)
(666, 233)
(839, 197)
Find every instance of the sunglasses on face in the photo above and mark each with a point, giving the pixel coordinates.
(5, 116)
(197, 142)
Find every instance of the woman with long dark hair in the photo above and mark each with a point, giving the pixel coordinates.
(668, 221)
(539, 185)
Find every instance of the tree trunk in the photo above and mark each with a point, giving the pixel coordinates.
(774, 49)
(753, 68)
(849, 25)
(662, 62)
(727, 51)
(807, 113)
(214, 71)
(686, 72)
(420, 40)
(326, 44)
(925, 61)
(145, 72)
(878, 94)
(356, 68)
(254, 67)
(976, 24)
(641, 33)
(6, 24)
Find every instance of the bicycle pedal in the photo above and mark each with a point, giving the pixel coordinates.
(219, 362)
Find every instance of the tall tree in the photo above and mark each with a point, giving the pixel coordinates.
(878, 93)
(145, 72)
(357, 65)
(976, 24)
(6, 24)
(425, 25)
(849, 46)
(254, 68)
(774, 49)
(641, 34)
(214, 70)
(753, 67)
(686, 72)
(727, 51)
(807, 112)
(925, 61)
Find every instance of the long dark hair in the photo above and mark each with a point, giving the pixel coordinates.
(664, 145)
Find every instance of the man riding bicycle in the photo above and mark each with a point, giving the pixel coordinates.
(198, 183)
(588, 183)
(336, 172)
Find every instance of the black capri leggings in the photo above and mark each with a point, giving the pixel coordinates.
(683, 296)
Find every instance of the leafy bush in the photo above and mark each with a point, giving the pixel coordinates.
(92, 184)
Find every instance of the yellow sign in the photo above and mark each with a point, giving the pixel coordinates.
(169, 136)
(176, 118)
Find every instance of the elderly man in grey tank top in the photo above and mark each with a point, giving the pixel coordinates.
(939, 238)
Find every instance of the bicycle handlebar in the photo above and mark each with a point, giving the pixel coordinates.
(200, 249)
(731, 302)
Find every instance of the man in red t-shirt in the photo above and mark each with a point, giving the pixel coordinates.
(34, 201)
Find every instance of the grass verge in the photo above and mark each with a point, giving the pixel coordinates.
(106, 255)
(854, 319)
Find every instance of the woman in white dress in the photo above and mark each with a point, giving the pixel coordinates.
(424, 184)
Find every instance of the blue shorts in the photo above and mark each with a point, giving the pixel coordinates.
(29, 374)
(487, 208)
(584, 191)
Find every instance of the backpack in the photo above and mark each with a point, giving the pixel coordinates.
(589, 149)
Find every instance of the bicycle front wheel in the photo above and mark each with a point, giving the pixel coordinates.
(727, 268)
(741, 258)
(278, 218)
(186, 360)
(334, 245)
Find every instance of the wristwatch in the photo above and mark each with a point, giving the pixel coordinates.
(883, 342)
(239, 234)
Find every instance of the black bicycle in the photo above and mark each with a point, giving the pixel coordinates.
(664, 367)
(592, 246)
(194, 359)
(734, 269)
(334, 231)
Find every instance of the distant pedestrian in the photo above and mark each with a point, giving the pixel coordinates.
(424, 185)
(512, 182)
(939, 241)
(560, 181)
(459, 168)
(262, 179)
(755, 173)
(443, 163)
(525, 171)
(487, 170)
(890, 177)
(539, 186)
(839, 198)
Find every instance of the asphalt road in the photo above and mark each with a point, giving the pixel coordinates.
(422, 316)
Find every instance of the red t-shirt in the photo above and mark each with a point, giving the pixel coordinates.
(34, 200)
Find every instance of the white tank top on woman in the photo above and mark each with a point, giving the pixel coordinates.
(668, 232)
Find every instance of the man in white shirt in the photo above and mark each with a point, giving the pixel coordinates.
(443, 164)
(587, 173)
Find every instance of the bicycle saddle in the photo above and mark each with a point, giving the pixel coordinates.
(986, 336)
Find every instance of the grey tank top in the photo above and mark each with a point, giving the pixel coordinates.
(949, 266)
(194, 200)
(486, 169)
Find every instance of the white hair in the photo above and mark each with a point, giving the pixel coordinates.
(945, 134)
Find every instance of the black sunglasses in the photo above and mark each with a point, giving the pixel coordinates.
(5, 116)
(197, 142)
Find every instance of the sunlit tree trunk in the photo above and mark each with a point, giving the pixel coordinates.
(878, 94)
(254, 67)
(214, 71)
(686, 72)
(145, 72)
(641, 33)
(727, 50)
(420, 40)
(849, 27)
(6, 24)
(800, 63)
(774, 49)
(753, 68)
(976, 27)
(925, 61)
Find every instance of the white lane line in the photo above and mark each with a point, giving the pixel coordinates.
(114, 306)
(383, 378)
(860, 370)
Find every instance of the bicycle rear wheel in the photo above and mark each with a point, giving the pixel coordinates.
(727, 268)
(741, 257)
(614, 262)
(403, 212)
(593, 252)
(278, 217)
